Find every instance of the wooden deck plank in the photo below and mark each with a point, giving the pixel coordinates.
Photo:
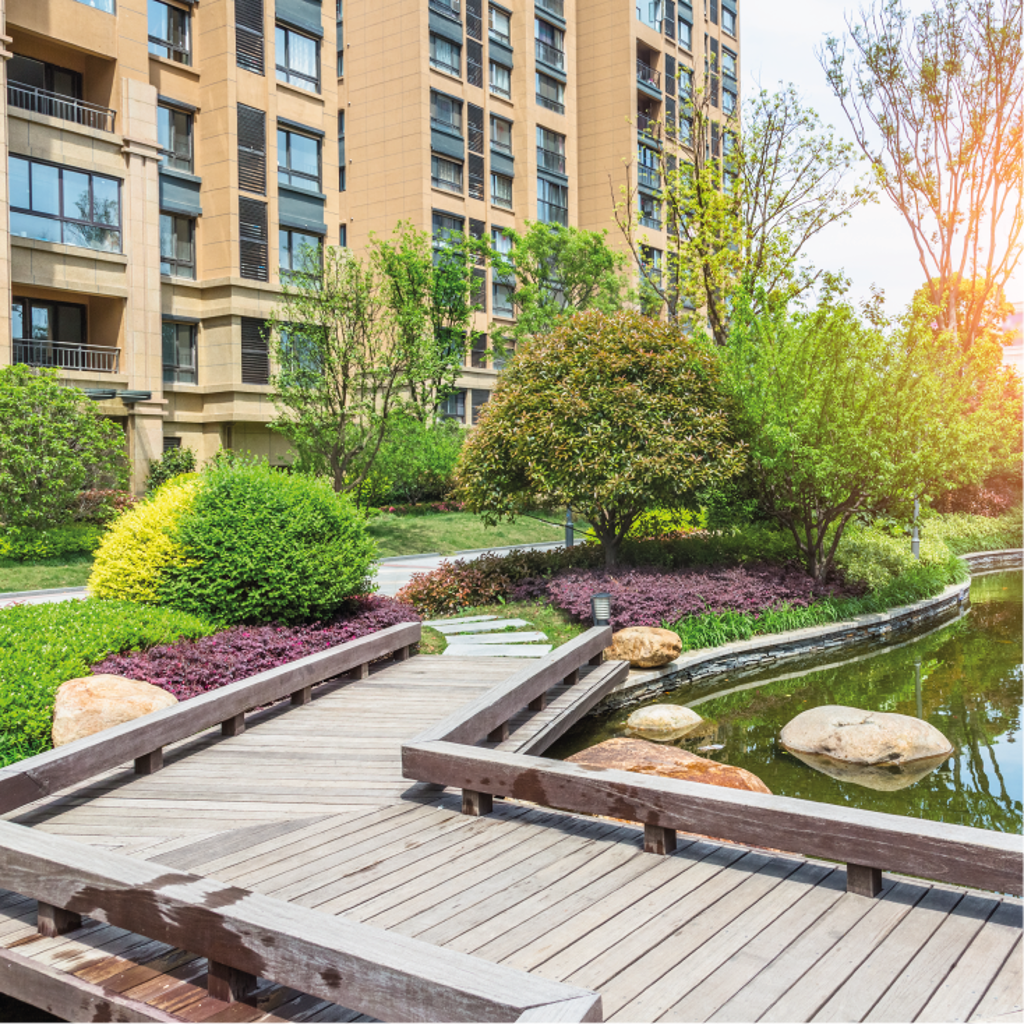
(1004, 1000)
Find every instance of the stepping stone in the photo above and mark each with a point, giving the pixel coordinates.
(495, 638)
(478, 627)
(498, 650)
(468, 618)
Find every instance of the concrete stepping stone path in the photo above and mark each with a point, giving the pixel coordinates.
(478, 636)
(498, 650)
(478, 627)
(496, 638)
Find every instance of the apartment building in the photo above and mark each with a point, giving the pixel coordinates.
(163, 162)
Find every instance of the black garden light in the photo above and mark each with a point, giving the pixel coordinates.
(601, 609)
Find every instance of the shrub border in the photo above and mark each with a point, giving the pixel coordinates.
(764, 651)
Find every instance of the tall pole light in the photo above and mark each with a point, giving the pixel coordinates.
(568, 526)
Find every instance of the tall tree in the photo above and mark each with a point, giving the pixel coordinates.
(935, 103)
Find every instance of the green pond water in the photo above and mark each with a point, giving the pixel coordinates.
(965, 678)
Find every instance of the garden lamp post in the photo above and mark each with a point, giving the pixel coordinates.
(568, 526)
(915, 534)
(601, 609)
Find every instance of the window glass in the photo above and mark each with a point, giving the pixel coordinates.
(445, 174)
(550, 150)
(501, 134)
(685, 35)
(550, 93)
(46, 189)
(179, 352)
(169, 32)
(501, 191)
(174, 131)
(445, 55)
(552, 202)
(446, 111)
(177, 250)
(298, 250)
(500, 80)
(17, 320)
(729, 21)
(499, 24)
(298, 160)
(728, 63)
(19, 179)
(298, 59)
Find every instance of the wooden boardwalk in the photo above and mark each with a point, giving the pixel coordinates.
(309, 805)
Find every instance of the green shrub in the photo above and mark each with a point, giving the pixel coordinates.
(23, 544)
(258, 545)
(660, 522)
(137, 550)
(44, 645)
(875, 557)
(415, 462)
(962, 533)
(172, 463)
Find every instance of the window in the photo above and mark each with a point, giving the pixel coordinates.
(649, 12)
(445, 174)
(501, 299)
(298, 59)
(343, 236)
(478, 353)
(481, 396)
(255, 354)
(501, 134)
(685, 34)
(552, 203)
(500, 242)
(650, 214)
(298, 160)
(501, 361)
(445, 111)
(174, 130)
(179, 344)
(648, 172)
(550, 93)
(454, 406)
(445, 55)
(100, 5)
(53, 334)
(729, 64)
(340, 44)
(58, 204)
(550, 150)
(501, 191)
(177, 246)
(729, 21)
(685, 85)
(728, 100)
(40, 75)
(501, 80)
(650, 262)
(171, 443)
(549, 44)
(169, 32)
(499, 26)
(300, 252)
(342, 176)
(443, 225)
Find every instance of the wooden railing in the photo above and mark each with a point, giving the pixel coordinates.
(143, 739)
(246, 936)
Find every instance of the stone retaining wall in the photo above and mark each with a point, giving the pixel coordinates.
(746, 657)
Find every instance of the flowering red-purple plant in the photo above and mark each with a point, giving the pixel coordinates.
(191, 667)
(648, 597)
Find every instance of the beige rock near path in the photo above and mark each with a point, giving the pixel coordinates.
(644, 646)
(93, 703)
(663, 721)
(669, 762)
(864, 737)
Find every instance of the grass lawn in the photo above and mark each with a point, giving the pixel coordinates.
(556, 624)
(69, 571)
(449, 532)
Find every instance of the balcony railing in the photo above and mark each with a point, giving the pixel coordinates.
(649, 176)
(555, 7)
(449, 8)
(550, 104)
(441, 65)
(649, 220)
(648, 125)
(550, 55)
(549, 160)
(447, 126)
(67, 356)
(67, 108)
(647, 75)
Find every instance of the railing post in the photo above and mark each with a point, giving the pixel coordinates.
(658, 839)
(361, 671)
(229, 984)
(52, 921)
(402, 654)
(863, 881)
(597, 659)
(303, 696)
(476, 804)
(538, 703)
(572, 678)
(233, 726)
(149, 763)
(498, 735)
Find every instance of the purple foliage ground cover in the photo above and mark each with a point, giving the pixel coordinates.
(191, 667)
(648, 597)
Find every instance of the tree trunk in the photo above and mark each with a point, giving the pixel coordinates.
(610, 546)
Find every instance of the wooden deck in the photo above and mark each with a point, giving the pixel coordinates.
(309, 805)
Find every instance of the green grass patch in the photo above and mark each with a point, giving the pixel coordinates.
(449, 532)
(44, 645)
(555, 624)
(47, 574)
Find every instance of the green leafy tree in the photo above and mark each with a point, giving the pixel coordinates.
(172, 463)
(553, 272)
(53, 445)
(845, 415)
(936, 103)
(609, 413)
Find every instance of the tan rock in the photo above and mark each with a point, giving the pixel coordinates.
(88, 705)
(864, 737)
(644, 646)
(669, 762)
(663, 722)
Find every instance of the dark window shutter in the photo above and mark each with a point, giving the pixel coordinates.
(255, 354)
(715, 58)
(474, 63)
(252, 234)
(249, 35)
(252, 149)
(475, 120)
(670, 19)
(474, 20)
(670, 74)
(670, 116)
(476, 177)
(478, 296)
(714, 12)
(716, 139)
(476, 228)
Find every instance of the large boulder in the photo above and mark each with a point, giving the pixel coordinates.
(669, 762)
(644, 646)
(93, 703)
(663, 722)
(854, 736)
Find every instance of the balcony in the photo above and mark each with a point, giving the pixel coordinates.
(549, 55)
(650, 220)
(67, 108)
(549, 160)
(649, 176)
(550, 104)
(449, 8)
(555, 7)
(647, 124)
(646, 75)
(63, 355)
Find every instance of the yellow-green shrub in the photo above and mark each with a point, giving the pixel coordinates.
(660, 522)
(139, 547)
(872, 555)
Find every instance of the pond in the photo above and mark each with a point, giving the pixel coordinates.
(965, 678)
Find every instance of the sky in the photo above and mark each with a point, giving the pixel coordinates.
(875, 247)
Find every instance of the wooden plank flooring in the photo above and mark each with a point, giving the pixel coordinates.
(309, 805)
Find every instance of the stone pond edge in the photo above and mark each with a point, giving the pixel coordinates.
(763, 651)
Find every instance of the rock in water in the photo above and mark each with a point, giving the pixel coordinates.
(669, 762)
(88, 705)
(884, 777)
(644, 646)
(864, 737)
(663, 721)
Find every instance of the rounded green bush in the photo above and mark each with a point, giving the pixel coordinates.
(260, 545)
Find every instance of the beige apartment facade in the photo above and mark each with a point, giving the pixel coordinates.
(164, 161)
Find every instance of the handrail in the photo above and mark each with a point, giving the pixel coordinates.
(144, 738)
(67, 355)
(246, 935)
(54, 104)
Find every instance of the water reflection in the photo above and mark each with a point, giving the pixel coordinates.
(965, 679)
